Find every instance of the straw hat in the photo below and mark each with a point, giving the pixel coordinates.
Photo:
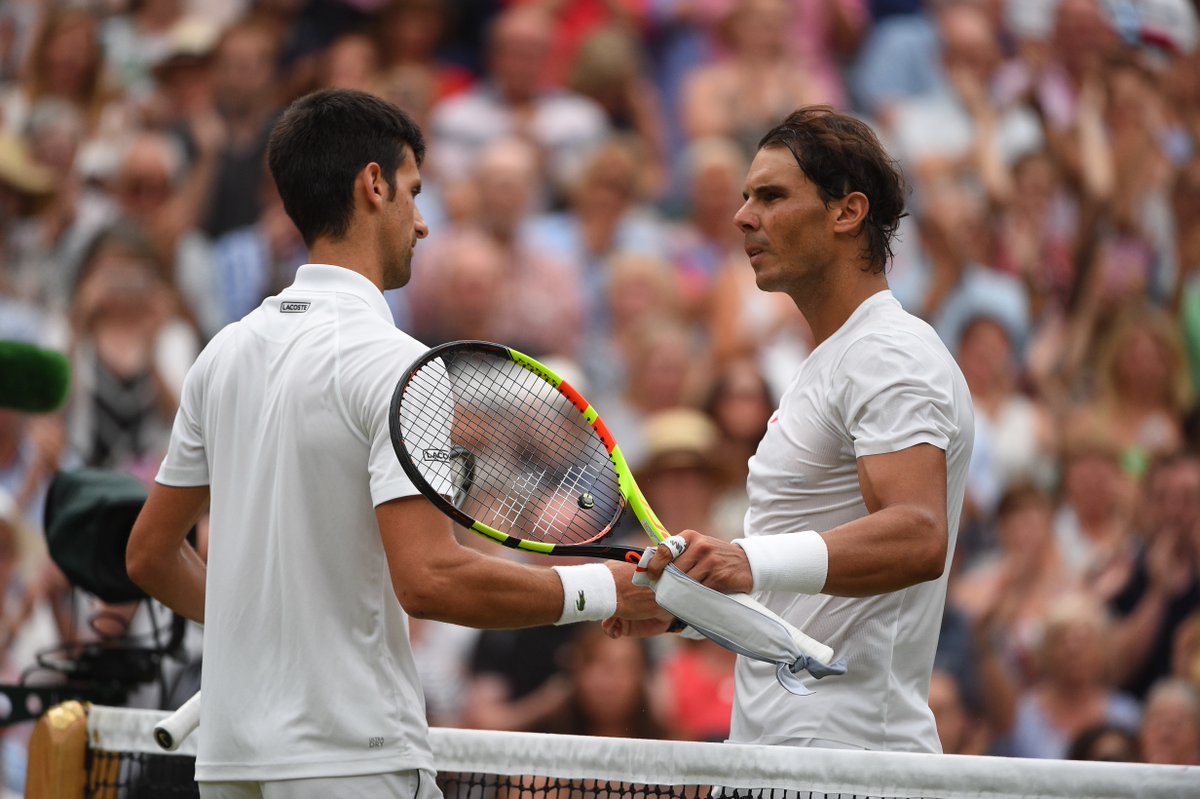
(678, 438)
(192, 40)
(19, 171)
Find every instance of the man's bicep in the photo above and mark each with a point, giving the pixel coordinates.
(913, 476)
(418, 540)
(168, 515)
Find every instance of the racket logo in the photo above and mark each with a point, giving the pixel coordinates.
(437, 455)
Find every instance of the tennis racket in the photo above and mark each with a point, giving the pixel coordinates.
(508, 449)
(171, 731)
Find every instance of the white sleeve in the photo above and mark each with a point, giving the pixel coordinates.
(186, 461)
(896, 393)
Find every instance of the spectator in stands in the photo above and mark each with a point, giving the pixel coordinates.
(958, 119)
(1170, 731)
(245, 84)
(606, 217)
(538, 305)
(661, 371)
(755, 85)
(135, 41)
(155, 190)
(740, 403)
(702, 241)
(352, 61)
(1074, 690)
(641, 288)
(898, 58)
(610, 68)
(516, 679)
(1034, 233)
(573, 22)
(410, 33)
(66, 62)
(48, 216)
(1185, 650)
(958, 729)
(678, 470)
(1051, 75)
(1010, 593)
(543, 296)
(952, 284)
(512, 101)
(608, 688)
(132, 344)
(1105, 742)
(1093, 521)
(462, 291)
(257, 261)
(1142, 387)
(1021, 434)
(1161, 588)
(183, 102)
(1185, 200)
(1135, 257)
(694, 690)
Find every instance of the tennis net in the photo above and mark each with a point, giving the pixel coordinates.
(123, 762)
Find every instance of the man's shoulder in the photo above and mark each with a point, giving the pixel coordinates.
(893, 344)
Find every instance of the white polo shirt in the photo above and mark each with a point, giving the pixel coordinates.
(882, 383)
(307, 670)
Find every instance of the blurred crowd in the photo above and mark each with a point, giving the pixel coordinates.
(585, 161)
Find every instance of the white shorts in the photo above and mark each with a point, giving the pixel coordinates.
(398, 785)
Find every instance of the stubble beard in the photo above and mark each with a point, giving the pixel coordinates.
(398, 272)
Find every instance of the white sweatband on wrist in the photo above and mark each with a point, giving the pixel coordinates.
(793, 562)
(589, 593)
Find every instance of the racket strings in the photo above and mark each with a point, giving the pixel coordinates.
(539, 470)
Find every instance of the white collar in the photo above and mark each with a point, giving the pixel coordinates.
(324, 277)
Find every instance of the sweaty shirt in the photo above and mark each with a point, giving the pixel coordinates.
(307, 667)
(881, 383)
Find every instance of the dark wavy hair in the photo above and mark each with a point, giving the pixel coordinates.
(322, 141)
(841, 154)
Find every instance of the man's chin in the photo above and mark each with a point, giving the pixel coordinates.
(397, 278)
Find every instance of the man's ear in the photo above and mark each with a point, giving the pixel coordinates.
(370, 185)
(850, 212)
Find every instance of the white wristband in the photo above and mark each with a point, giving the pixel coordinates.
(794, 562)
(589, 593)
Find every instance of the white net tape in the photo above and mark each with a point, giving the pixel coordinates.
(675, 763)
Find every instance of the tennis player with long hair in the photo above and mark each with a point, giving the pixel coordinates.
(319, 544)
(857, 486)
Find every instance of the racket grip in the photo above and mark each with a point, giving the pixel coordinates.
(822, 653)
(171, 731)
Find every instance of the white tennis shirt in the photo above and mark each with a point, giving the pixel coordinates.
(882, 383)
(307, 669)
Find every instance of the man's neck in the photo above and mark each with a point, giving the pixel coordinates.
(348, 256)
(828, 308)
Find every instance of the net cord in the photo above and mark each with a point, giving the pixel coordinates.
(656, 762)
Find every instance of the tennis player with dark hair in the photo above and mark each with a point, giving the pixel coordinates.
(319, 544)
(857, 486)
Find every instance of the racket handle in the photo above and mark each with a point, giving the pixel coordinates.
(171, 731)
(808, 645)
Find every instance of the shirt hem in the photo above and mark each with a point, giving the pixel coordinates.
(889, 447)
(236, 772)
(181, 479)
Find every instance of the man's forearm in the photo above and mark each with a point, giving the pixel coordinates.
(175, 579)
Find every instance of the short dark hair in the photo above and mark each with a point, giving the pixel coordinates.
(322, 141)
(840, 154)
